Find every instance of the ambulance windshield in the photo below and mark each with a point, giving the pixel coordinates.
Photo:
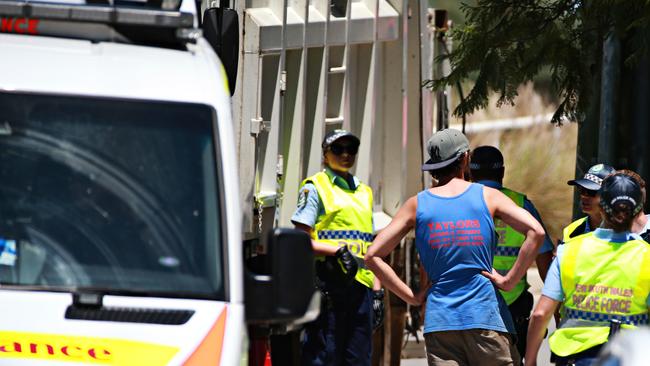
(109, 194)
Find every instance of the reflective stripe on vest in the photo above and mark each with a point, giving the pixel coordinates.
(507, 249)
(569, 229)
(572, 317)
(344, 234)
(347, 220)
(507, 252)
(601, 281)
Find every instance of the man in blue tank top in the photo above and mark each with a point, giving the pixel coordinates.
(466, 320)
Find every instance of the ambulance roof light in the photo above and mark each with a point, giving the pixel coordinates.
(95, 13)
(150, 4)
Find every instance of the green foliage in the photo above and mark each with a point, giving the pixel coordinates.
(504, 43)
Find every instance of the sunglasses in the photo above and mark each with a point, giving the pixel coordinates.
(588, 192)
(340, 149)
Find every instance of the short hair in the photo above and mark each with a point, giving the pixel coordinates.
(448, 170)
(487, 174)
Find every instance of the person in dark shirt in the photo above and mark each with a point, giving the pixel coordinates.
(487, 167)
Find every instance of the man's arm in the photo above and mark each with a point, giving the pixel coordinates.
(384, 243)
(376, 284)
(545, 256)
(523, 222)
(537, 327)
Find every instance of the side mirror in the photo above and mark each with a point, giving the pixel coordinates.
(286, 294)
(221, 30)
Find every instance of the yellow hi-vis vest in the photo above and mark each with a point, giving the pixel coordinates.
(601, 281)
(347, 220)
(567, 231)
(508, 246)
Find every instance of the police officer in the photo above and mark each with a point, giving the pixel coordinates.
(641, 224)
(603, 277)
(588, 188)
(487, 168)
(335, 208)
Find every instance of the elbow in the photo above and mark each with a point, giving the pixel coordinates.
(536, 316)
(540, 316)
(538, 234)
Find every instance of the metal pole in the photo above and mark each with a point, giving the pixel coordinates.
(283, 84)
(638, 147)
(427, 64)
(611, 78)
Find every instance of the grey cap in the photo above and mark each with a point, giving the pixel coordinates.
(593, 179)
(445, 147)
(334, 135)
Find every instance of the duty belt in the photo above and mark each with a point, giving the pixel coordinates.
(576, 318)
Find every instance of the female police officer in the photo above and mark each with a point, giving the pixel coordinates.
(601, 276)
(335, 208)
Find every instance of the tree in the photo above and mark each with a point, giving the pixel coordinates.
(505, 43)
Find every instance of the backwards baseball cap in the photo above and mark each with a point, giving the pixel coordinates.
(486, 158)
(334, 135)
(620, 191)
(445, 147)
(594, 177)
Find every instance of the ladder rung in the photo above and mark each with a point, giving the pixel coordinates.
(337, 70)
(333, 120)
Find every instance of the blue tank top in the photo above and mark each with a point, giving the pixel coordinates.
(456, 240)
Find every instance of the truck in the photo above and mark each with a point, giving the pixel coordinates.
(308, 67)
(152, 153)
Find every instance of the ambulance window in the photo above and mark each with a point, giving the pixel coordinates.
(112, 194)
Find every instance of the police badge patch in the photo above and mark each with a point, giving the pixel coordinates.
(596, 168)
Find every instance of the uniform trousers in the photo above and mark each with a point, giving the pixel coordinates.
(342, 333)
(520, 311)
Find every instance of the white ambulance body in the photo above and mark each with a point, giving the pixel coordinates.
(42, 73)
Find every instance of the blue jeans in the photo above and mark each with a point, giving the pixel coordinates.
(342, 333)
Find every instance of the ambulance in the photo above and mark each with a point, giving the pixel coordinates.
(120, 210)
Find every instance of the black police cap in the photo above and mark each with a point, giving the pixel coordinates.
(619, 189)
